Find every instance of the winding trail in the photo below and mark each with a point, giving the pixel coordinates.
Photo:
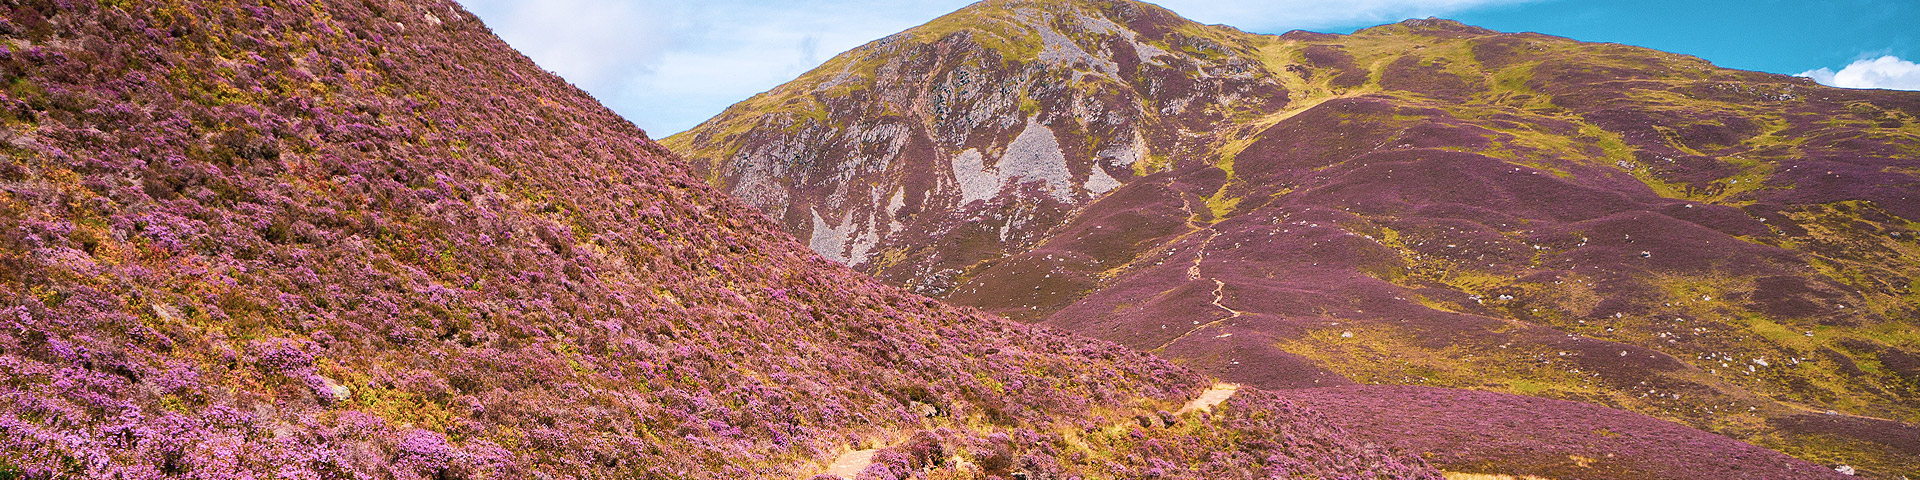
(1219, 295)
(1488, 476)
(851, 463)
(1213, 397)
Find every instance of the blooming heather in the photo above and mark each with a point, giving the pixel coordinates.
(311, 239)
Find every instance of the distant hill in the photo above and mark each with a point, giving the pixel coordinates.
(1423, 203)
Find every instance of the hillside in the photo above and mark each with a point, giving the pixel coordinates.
(314, 239)
(1423, 203)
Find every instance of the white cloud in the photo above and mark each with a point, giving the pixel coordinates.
(1888, 72)
(593, 43)
(670, 64)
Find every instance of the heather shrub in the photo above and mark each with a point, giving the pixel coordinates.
(365, 239)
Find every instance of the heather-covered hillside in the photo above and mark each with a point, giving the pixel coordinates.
(1423, 203)
(311, 239)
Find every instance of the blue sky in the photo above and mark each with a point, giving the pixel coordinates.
(1779, 36)
(669, 64)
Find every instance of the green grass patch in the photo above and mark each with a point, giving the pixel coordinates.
(1779, 334)
(1837, 450)
(1527, 387)
(993, 28)
(1154, 163)
(1222, 204)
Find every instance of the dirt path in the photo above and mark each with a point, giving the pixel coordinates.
(1213, 397)
(1219, 295)
(1488, 476)
(1194, 273)
(1200, 255)
(851, 463)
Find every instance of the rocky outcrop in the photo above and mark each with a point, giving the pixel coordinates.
(985, 128)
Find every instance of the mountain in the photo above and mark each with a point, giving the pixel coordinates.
(316, 239)
(1422, 203)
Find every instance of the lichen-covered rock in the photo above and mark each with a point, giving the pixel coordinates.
(939, 132)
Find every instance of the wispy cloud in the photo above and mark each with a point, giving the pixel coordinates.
(668, 65)
(593, 43)
(1888, 72)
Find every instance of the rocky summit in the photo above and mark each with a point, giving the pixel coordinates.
(1422, 204)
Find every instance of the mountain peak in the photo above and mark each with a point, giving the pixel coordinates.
(1426, 26)
(1034, 15)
